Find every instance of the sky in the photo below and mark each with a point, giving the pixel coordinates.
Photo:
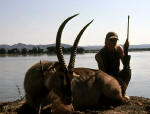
(37, 21)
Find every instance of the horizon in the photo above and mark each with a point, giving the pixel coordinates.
(70, 44)
(36, 22)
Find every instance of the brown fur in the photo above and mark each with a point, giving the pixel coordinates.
(39, 84)
(57, 107)
(91, 85)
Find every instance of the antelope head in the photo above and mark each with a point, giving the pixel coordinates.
(63, 75)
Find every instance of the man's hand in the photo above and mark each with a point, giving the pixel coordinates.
(126, 56)
(126, 44)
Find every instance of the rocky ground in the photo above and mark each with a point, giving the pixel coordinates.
(136, 105)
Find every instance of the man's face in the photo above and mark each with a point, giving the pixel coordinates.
(112, 42)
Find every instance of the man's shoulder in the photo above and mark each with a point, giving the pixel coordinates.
(119, 48)
(100, 52)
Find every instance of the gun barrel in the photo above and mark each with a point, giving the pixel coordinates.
(128, 28)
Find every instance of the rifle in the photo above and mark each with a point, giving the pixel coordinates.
(126, 56)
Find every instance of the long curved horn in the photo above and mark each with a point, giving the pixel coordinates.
(59, 51)
(74, 48)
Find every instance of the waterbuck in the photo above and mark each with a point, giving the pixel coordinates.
(48, 82)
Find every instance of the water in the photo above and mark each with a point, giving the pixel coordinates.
(12, 71)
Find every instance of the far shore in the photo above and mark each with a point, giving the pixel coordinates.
(130, 50)
(87, 51)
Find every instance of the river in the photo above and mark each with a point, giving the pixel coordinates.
(13, 68)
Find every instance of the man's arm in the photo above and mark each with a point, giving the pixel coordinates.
(121, 53)
(99, 60)
(126, 56)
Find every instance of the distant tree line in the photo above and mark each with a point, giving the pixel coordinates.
(139, 49)
(38, 50)
(131, 49)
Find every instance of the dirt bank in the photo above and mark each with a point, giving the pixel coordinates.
(136, 105)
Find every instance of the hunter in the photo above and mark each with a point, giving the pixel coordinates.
(108, 60)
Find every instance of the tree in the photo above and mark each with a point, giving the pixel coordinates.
(13, 51)
(39, 50)
(24, 51)
(34, 50)
(2, 51)
(51, 50)
(66, 50)
(80, 50)
(30, 51)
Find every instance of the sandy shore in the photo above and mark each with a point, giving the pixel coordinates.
(136, 105)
